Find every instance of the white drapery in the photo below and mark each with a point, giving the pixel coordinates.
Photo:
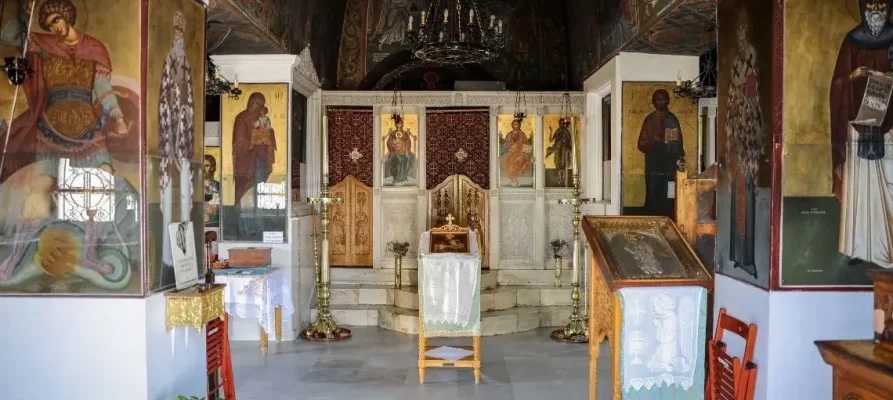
(257, 296)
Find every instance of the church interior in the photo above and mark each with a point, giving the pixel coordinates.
(446, 199)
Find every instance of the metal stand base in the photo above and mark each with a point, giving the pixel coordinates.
(325, 330)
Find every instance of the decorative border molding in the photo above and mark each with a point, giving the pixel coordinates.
(480, 99)
(303, 74)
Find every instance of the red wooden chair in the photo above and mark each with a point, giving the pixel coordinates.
(220, 367)
(731, 378)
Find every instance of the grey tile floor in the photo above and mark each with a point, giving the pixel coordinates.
(377, 364)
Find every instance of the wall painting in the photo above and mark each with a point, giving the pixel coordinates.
(175, 129)
(744, 135)
(212, 186)
(559, 136)
(254, 149)
(515, 150)
(399, 148)
(837, 209)
(658, 129)
(70, 176)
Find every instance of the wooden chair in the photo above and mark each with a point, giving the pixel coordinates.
(731, 378)
(220, 367)
(426, 360)
(688, 189)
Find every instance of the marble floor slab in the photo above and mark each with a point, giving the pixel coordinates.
(378, 364)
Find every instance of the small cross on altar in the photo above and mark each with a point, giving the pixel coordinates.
(450, 219)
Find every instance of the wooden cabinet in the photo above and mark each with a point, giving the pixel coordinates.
(862, 371)
(350, 226)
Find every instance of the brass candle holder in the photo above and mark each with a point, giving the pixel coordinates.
(576, 329)
(324, 328)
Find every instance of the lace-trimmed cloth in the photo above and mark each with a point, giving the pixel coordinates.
(257, 296)
(662, 338)
(449, 288)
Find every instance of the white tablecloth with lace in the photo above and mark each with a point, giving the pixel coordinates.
(258, 297)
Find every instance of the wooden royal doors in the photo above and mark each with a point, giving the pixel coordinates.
(468, 203)
(350, 228)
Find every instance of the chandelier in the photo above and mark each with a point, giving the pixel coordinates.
(701, 87)
(454, 32)
(217, 85)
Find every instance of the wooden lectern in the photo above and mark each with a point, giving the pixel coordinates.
(648, 296)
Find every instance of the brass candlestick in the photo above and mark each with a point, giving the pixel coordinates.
(324, 328)
(575, 331)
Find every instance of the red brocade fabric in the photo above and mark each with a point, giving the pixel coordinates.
(451, 130)
(350, 129)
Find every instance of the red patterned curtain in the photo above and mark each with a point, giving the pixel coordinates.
(350, 144)
(458, 142)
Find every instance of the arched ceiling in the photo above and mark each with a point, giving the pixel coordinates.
(575, 44)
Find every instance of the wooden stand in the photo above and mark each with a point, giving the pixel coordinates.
(425, 361)
(688, 190)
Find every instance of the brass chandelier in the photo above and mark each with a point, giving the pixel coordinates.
(454, 32)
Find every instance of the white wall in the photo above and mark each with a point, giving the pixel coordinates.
(625, 67)
(797, 319)
(83, 348)
(788, 323)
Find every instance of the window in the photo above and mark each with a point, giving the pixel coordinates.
(271, 196)
(85, 193)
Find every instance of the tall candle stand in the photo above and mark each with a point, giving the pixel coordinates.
(576, 330)
(324, 328)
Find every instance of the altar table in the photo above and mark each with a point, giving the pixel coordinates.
(262, 293)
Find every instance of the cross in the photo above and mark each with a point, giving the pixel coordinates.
(450, 219)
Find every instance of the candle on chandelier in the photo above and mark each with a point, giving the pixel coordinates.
(492, 21)
(410, 22)
(499, 27)
(446, 16)
(441, 36)
(236, 79)
(423, 18)
(471, 16)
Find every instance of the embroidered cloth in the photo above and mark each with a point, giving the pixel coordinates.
(661, 339)
(257, 296)
(450, 294)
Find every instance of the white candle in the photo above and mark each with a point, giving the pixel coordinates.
(410, 22)
(441, 36)
(325, 146)
(471, 17)
(499, 27)
(236, 79)
(573, 153)
(492, 21)
(576, 262)
(423, 18)
(446, 16)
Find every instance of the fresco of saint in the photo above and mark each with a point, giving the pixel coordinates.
(77, 126)
(862, 165)
(660, 140)
(516, 154)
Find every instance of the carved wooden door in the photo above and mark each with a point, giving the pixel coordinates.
(468, 203)
(350, 228)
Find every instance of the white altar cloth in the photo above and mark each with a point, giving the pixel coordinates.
(257, 296)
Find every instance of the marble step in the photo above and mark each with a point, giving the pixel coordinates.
(383, 277)
(501, 322)
(359, 294)
(531, 277)
(499, 298)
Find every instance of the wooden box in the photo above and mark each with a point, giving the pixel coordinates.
(241, 257)
(883, 308)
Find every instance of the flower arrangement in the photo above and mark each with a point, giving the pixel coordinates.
(399, 249)
(557, 246)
